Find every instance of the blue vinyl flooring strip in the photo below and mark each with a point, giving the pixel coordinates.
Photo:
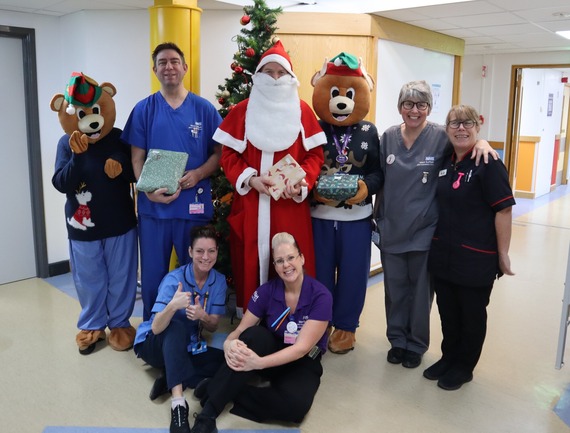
(562, 408)
(149, 430)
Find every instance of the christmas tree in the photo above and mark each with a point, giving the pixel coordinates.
(256, 37)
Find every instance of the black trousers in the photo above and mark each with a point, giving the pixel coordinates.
(288, 397)
(463, 313)
(168, 351)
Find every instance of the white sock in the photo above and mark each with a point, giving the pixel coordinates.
(177, 401)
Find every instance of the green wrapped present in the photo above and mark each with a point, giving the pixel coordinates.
(338, 186)
(162, 169)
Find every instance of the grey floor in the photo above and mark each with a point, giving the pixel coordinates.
(45, 382)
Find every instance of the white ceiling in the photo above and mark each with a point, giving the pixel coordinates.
(487, 26)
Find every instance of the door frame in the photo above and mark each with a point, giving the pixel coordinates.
(28, 39)
(513, 124)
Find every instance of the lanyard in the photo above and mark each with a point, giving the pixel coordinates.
(342, 157)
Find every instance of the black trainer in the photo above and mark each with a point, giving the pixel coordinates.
(454, 379)
(204, 424)
(179, 419)
(201, 389)
(437, 370)
(411, 359)
(395, 355)
(158, 388)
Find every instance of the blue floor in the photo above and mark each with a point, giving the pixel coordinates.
(148, 430)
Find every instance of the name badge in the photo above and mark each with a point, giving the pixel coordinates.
(196, 208)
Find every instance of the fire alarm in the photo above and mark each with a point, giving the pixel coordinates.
(564, 80)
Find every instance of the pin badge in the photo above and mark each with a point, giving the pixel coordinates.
(390, 159)
(425, 178)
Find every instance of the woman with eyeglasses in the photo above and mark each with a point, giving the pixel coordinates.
(470, 248)
(411, 155)
(281, 339)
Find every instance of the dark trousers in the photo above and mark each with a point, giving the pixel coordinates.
(463, 312)
(168, 351)
(288, 397)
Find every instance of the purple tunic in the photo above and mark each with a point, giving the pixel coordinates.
(315, 303)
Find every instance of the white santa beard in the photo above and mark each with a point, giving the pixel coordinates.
(273, 116)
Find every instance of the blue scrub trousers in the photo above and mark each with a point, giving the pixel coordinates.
(342, 256)
(157, 237)
(168, 351)
(105, 277)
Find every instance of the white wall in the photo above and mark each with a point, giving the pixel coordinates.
(399, 64)
(490, 95)
(538, 84)
(109, 46)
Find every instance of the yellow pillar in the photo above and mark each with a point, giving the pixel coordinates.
(178, 21)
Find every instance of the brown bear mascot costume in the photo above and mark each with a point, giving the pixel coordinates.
(93, 169)
(342, 229)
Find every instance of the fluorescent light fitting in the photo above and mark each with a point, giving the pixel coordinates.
(564, 34)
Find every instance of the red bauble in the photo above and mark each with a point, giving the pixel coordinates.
(233, 66)
(221, 101)
(250, 52)
(238, 69)
(245, 20)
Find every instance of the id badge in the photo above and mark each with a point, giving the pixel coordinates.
(197, 207)
(291, 334)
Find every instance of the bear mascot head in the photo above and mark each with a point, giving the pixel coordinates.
(341, 99)
(87, 113)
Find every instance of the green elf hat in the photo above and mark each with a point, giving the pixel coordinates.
(344, 64)
(82, 91)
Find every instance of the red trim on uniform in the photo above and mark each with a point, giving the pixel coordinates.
(478, 250)
(502, 200)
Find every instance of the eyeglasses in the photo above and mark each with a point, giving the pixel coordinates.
(288, 259)
(409, 105)
(467, 124)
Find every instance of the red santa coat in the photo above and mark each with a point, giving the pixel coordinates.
(255, 218)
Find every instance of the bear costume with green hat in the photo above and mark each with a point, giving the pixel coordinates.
(342, 229)
(93, 169)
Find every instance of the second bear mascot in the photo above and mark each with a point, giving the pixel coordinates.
(93, 169)
(342, 230)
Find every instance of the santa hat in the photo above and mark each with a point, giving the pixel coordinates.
(276, 54)
(82, 91)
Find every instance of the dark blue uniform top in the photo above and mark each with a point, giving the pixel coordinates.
(464, 246)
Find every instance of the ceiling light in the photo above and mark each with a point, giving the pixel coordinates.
(564, 34)
(561, 14)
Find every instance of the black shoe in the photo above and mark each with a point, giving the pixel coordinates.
(201, 389)
(158, 388)
(179, 419)
(454, 379)
(395, 355)
(204, 424)
(411, 359)
(437, 370)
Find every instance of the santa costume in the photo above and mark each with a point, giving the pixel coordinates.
(258, 132)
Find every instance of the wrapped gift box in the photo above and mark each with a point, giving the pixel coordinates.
(284, 172)
(162, 169)
(338, 186)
